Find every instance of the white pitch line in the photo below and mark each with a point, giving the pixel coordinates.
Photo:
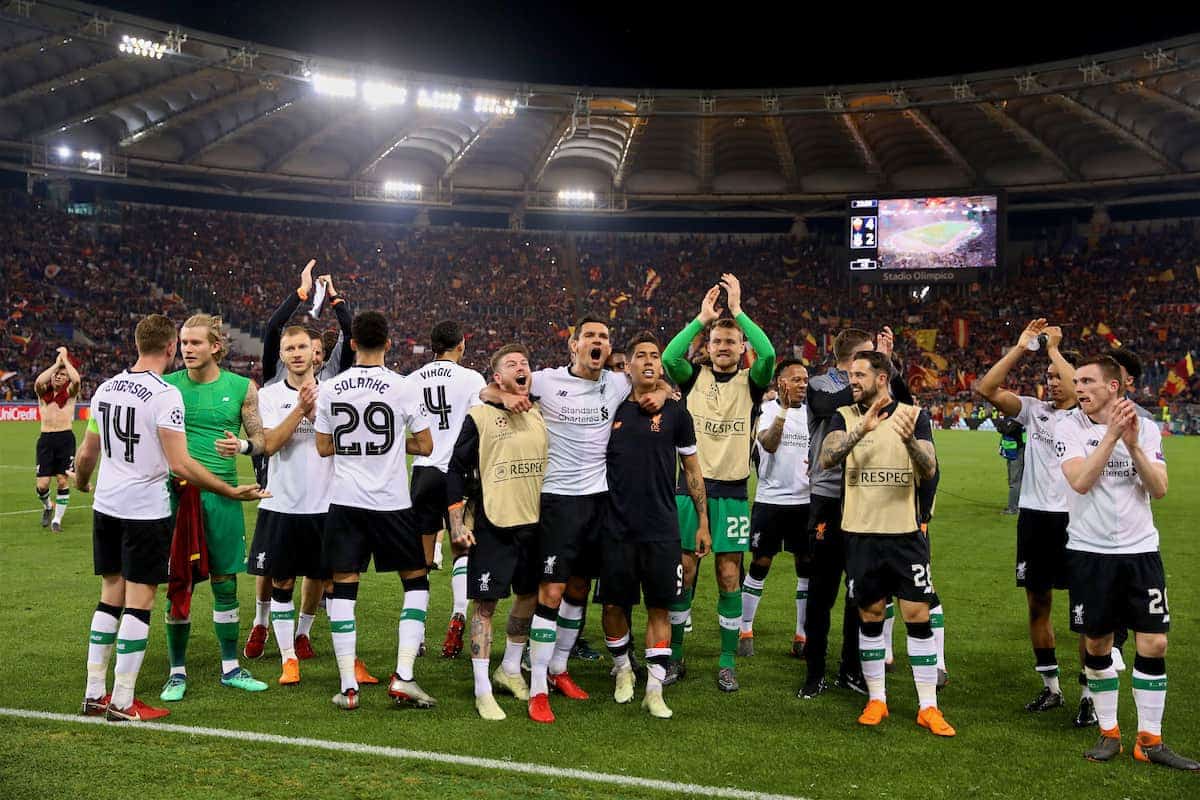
(34, 511)
(419, 755)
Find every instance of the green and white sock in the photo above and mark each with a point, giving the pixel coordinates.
(1150, 693)
(131, 651)
(458, 585)
(101, 640)
(937, 621)
(1104, 685)
(729, 617)
(262, 612)
(570, 621)
(871, 653)
(889, 626)
(678, 614)
(342, 629)
(61, 501)
(801, 606)
(411, 631)
(542, 634)
(283, 621)
(752, 589)
(225, 622)
(922, 655)
(44, 497)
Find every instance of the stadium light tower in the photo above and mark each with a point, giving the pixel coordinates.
(577, 198)
(502, 106)
(136, 46)
(401, 189)
(334, 86)
(379, 94)
(438, 100)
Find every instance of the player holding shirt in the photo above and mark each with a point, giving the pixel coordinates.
(781, 502)
(138, 433)
(361, 418)
(495, 482)
(641, 556)
(218, 403)
(1114, 464)
(274, 370)
(57, 389)
(722, 399)
(447, 390)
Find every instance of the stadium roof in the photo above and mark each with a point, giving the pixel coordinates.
(87, 90)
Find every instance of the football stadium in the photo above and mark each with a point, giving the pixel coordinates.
(386, 431)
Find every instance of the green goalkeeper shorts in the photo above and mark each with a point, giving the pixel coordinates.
(728, 522)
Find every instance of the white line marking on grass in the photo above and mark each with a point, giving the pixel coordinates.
(419, 755)
(35, 511)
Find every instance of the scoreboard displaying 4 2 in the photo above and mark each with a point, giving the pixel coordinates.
(864, 234)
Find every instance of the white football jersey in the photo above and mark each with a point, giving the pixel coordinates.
(1115, 516)
(299, 480)
(366, 410)
(1043, 487)
(783, 475)
(447, 391)
(127, 411)
(579, 415)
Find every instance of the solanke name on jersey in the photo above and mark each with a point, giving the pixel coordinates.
(368, 382)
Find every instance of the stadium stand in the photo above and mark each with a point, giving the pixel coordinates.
(81, 281)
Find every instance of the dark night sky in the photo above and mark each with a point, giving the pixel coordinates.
(664, 46)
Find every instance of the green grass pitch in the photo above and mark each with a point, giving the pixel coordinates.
(938, 234)
(761, 739)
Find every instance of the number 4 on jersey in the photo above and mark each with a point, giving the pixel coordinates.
(110, 421)
(441, 409)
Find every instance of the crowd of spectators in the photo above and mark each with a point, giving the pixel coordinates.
(84, 281)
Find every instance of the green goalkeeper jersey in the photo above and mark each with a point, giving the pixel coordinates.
(210, 409)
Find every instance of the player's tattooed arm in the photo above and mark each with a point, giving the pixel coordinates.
(695, 484)
(837, 446)
(460, 534)
(252, 421)
(920, 449)
(923, 456)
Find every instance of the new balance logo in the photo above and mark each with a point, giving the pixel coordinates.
(1077, 612)
(562, 392)
(549, 570)
(260, 560)
(485, 581)
(1093, 442)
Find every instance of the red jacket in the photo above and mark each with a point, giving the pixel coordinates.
(189, 552)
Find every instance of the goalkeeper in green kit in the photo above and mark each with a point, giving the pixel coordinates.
(217, 405)
(723, 399)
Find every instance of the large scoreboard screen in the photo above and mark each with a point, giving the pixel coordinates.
(924, 238)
